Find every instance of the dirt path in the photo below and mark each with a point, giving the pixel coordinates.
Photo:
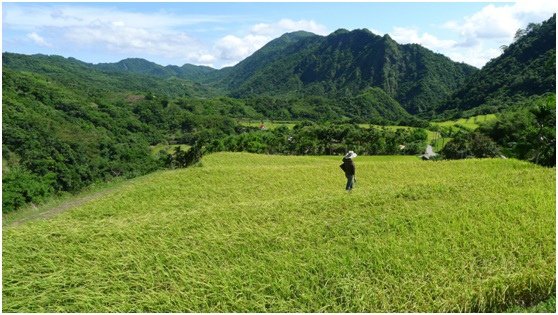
(51, 212)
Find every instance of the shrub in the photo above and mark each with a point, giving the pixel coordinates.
(19, 186)
(466, 145)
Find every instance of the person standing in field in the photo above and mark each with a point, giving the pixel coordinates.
(348, 167)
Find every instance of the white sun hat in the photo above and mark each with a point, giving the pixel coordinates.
(351, 154)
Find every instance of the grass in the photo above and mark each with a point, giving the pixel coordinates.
(471, 123)
(269, 124)
(437, 141)
(256, 233)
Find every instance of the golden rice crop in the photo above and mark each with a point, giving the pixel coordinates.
(256, 233)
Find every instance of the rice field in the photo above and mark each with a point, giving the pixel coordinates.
(430, 135)
(469, 123)
(268, 124)
(257, 233)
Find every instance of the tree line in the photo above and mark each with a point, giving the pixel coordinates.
(525, 131)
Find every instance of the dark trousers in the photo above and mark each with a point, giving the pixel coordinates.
(350, 181)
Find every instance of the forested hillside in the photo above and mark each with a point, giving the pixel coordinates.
(340, 65)
(56, 139)
(346, 63)
(88, 79)
(526, 68)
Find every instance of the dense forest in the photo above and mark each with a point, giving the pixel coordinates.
(68, 124)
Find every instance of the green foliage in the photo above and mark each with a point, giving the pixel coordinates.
(91, 81)
(325, 139)
(181, 158)
(527, 132)
(257, 233)
(144, 67)
(57, 133)
(470, 145)
(548, 306)
(20, 187)
(373, 106)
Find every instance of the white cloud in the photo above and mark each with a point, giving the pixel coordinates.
(122, 38)
(502, 21)
(38, 16)
(479, 36)
(411, 36)
(490, 22)
(154, 34)
(288, 25)
(233, 48)
(204, 58)
(477, 56)
(37, 39)
(158, 34)
(476, 52)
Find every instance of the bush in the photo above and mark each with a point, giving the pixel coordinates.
(19, 186)
(470, 145)
(528, 132)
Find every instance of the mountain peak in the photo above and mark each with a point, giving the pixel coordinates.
(345, 63)
(387, 37)
(340, 31)
(298, 34)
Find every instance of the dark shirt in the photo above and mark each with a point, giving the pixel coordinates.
(348, 166)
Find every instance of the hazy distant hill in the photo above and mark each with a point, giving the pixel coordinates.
(142, 66)
(135, 75)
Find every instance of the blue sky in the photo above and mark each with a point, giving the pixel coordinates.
(222, 34)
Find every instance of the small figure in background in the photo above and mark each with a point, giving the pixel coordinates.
(348, 167)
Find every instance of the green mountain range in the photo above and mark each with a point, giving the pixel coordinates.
(142, 66)
(342, 65)
(102, 79)
(345, 63)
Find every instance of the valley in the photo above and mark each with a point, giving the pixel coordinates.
(134, 187)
